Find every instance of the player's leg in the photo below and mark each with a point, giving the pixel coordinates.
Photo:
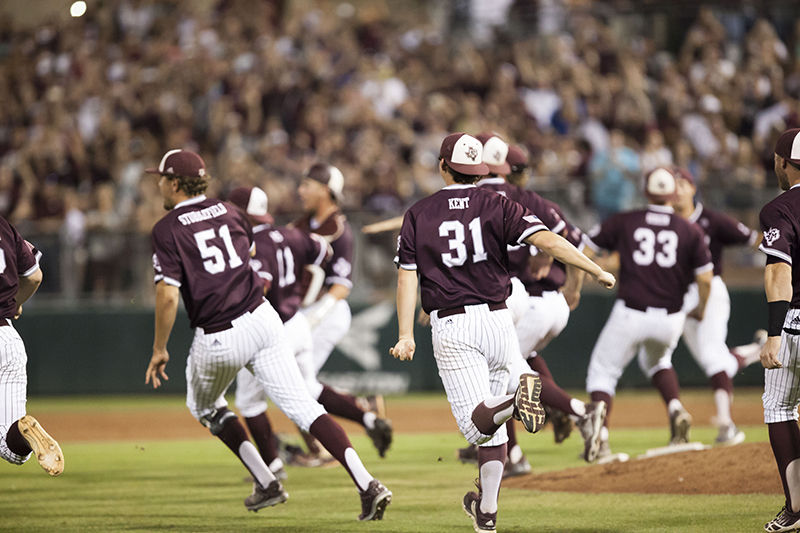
(251, 401)
(275, 367)
(781, 398)
(329, 331)
(21, 434)
(655, 361)
(213, 362)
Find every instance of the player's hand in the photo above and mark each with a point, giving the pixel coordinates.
(155, 370)
(423, 318)
(573, 298)
(769, 353)
(606, 279)
(697, 313)
(403, 350)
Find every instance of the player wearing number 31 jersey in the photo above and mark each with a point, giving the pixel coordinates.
(660, 254)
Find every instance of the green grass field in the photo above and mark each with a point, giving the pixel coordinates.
(197, 485)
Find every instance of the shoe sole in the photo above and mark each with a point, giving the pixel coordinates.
(475, 525)
(530, 409)
(45, 447)
(592, 445)
(281, 498)
(379, 505)
(683, 423)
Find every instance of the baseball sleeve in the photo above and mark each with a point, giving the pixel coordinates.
(545, 210)
(166, 261)
(520, 222)
(701, 255)
(27, 256)
(778, 233)
(340, 268)
(406, 257)
(730, 231)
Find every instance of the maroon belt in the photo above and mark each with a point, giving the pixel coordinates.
(669, 310)
(229, 325)
(461, 310)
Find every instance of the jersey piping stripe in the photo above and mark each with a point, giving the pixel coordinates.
(411, 266)
(323, 248)
(559, 227)
(530, 231)
(775, 253)
(31, 270)
(591, 244)
(340, 281)
(168, 281)
(704, 268)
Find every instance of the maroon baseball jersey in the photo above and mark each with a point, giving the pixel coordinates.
(456, 240)
(547, 211)
(780, 224)
(203, 246)
(557, 276)
(282, 254)
(660, 254)
(721, 230)
(18, 258)
(336, 231)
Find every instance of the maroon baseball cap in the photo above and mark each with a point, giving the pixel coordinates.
(495, 151)
(683, 173)
(464, 153)
(517, 158)
(788, 145)
(328, 175)
(252, 201)
(180, 163)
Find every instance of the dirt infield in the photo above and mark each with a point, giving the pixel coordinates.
(747, 468)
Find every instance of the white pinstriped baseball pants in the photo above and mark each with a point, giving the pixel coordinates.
(13, 384)
(782, 385)
(256, 341)
(330, 330)
(251, 400)
(545, 317)
(472, 352)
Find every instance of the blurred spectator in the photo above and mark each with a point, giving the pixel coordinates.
(615, 175)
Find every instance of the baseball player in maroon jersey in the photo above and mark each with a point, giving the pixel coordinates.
(536, 314)
(706, 339)
(20, 433)
(455, 241)
(202, 248)
(282, 256)
(780, 225)
(660, 255)
(326, 293)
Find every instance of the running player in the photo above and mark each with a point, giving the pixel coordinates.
(780, 220)
(326, 293)
(706, 339)
(202, 249)
(20, 433)
(455, 241)
(660, 254)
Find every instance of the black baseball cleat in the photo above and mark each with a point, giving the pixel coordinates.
(272, 495)
(527, 407)
(562, 423)
(784, 521)
(374, 501)
(481, 522)
(381, 435)
(590, 426)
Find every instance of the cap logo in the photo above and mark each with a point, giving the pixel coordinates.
(170, 170)
(471, 152)
(661, 181)
(201, 172)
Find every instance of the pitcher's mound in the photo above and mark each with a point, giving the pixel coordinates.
(742, 469)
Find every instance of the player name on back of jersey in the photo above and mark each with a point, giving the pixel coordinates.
(458, 203)
(656, 219)
(206, 213)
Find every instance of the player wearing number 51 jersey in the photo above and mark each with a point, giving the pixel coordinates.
(202, 249)
(660, 254)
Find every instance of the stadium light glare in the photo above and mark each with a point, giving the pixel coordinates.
(77, 9)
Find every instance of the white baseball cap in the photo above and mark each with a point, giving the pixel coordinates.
(463, 153)
(660, 184)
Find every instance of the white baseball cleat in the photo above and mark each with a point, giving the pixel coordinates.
(45, 447)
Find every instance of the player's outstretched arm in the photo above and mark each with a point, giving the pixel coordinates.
(703, 281)
(561, 249)
(406, 305)
(778, 288)
(390, 224)
(167, 297)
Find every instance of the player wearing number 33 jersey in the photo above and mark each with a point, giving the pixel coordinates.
(660, 254)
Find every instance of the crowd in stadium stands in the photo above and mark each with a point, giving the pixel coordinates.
(261, 90)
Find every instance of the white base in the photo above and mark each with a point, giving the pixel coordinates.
(613, 458)
(674, 448)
